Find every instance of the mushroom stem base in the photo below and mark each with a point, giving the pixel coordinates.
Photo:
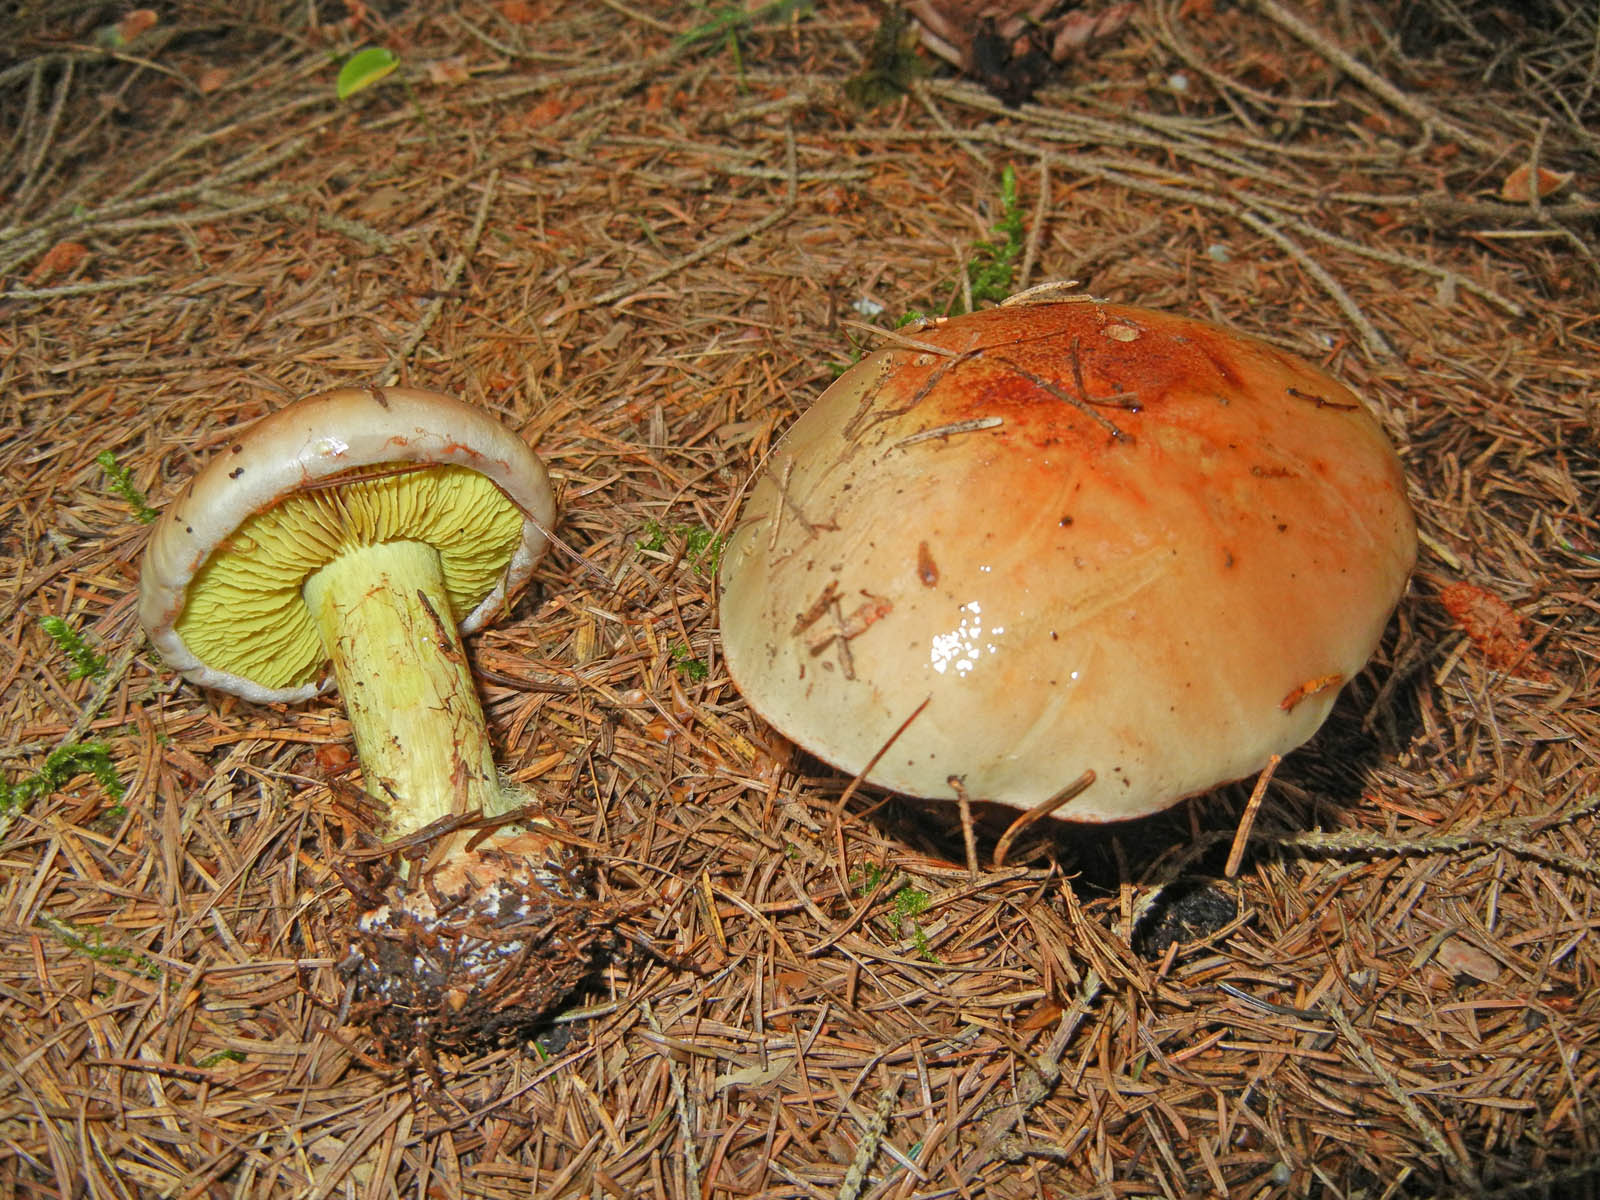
(386, 623)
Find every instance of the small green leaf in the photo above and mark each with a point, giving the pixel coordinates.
(365, 68)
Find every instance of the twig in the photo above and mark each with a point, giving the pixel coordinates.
(1535, 201)
(633, 14)
(1492, 837)
(1508, 836)
(507, 50)
(1419, 1119)
(924, 95)
(705, 250)
(1446, 276)
(1036, 814)
(871, 1139)
(1485, 210)
(1420, 111)
(80, 289)
(32, 178)
(1030, 253)
(680, 1099)
(453, 276)
(21, 243)
(1247, 822)
(1044, 1072)
(358, 231)
(1377, 345)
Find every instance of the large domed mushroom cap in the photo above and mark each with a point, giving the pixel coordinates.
(1065, 537)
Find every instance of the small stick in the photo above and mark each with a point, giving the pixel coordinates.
(873, 761)
(944, 431)
(1420, 111)
(996, 1139)
(1030, 253)
(1082, 404)
(871, 1139)
(1037, 813)
(1419, 1119)
(452, 277)
(35, 174)
(964, 802)
(80, 289)
(1377, 345)
(1241, 838)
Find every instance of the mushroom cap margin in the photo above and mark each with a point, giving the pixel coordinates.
(308, 442)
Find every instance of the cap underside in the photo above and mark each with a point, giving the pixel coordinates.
(244, 612)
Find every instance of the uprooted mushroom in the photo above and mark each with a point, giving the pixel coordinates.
(361, 530)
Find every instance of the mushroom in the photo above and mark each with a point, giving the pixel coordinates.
(1065, 552)
(361, 528)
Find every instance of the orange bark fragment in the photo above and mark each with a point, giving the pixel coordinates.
(1493, 627)
(1520, 185)
(60, 259)
(138, 21)
(1310, 688)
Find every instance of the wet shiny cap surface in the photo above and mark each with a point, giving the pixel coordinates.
(1066, 537)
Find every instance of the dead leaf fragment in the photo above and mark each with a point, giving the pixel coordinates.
(449, 70)
(1518, 187)
(754, 1076)
(1463, 958)
(60, 259)
(138, 21)
(212, 79)
(1493, 627)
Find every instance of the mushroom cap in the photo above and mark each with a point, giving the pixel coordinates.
(1062, 537)
(315, 455)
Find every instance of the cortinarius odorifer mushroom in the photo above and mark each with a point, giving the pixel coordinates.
(362, 528)
(1057, 538)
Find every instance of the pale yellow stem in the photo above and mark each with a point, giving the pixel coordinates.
(419, 729)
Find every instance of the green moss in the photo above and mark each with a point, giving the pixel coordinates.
(120, 480)
(993, 265)
(905, 906)
(86, 664)
(690, 667)
(60, 765)
(89, 943)
(909, 902)
(701, 546)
